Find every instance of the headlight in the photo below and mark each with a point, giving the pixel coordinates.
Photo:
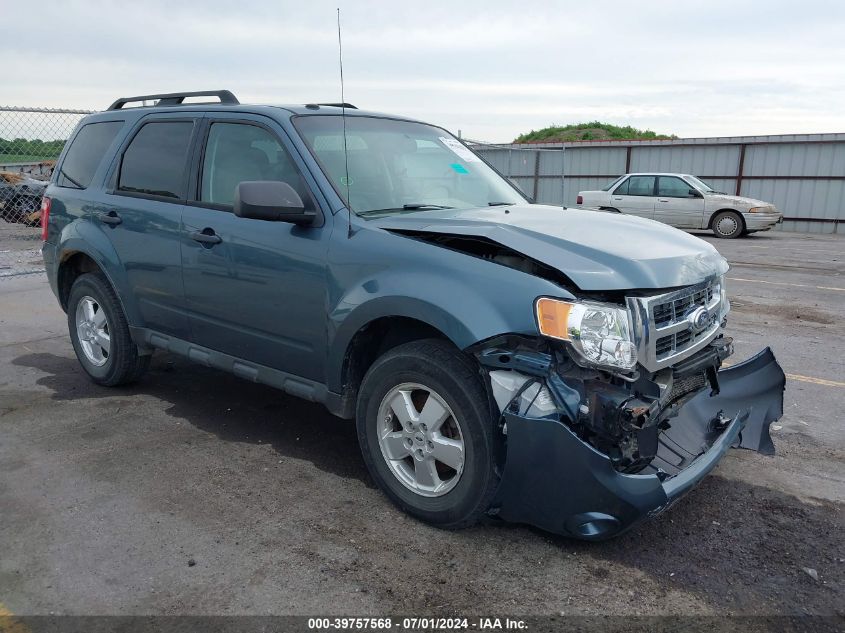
(600, 334)
(725, 304)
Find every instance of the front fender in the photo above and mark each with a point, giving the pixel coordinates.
(379, 274)
(463, 315)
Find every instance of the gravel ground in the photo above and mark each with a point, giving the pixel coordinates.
(194, 492)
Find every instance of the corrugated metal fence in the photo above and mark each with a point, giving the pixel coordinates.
(802, 174)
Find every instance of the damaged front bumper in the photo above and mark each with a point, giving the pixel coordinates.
(555, 480)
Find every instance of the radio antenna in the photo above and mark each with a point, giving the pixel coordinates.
(343, 118)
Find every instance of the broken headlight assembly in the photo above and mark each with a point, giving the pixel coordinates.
(600, 334)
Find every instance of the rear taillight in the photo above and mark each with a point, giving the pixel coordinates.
(579, 200)
(45, 217)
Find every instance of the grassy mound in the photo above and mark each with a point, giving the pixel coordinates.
(593, 131)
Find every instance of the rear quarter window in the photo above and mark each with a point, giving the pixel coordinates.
(85, 154)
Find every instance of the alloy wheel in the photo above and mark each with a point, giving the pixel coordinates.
(421, 439)
(92, 330)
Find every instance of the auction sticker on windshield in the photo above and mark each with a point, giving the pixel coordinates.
(457, 147)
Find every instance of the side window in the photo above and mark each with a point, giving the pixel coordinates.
(85, 153)
(673, 187)
(641, 186)
(155, 161)
(622, 190)
(239, 152)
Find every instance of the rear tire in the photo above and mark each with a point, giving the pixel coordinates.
(427, 434)
(727, 225)
(100, 333)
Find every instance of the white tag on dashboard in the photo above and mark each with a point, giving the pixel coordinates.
(458, 147)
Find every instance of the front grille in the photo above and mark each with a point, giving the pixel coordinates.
(673, 343)
(676, 309)
(663, 323)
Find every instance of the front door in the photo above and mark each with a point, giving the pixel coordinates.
(678, 203)
(254, 289)
(635, 196)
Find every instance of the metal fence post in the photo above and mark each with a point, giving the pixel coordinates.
(740, 168)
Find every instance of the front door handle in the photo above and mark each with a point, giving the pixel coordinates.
(662, 200)
(111, 218)
(206, 236)
(617, 198)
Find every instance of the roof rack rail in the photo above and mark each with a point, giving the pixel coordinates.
(177, 98)
(338, 105)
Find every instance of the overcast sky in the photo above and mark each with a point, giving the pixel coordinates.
(491, 69)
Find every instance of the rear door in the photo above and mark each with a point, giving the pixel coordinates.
(635, 196)
(678, 203)
(142, 216)
(256, 289)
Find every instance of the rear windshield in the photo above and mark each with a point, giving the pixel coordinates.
(85, 153)
(610, 185)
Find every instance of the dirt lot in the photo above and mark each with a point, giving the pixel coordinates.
(196, 492)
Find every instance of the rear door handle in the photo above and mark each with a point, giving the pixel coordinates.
(203, 237)
(662, 200)
(110, 218)
(617, 198)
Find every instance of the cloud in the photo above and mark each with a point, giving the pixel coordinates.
(492, 69)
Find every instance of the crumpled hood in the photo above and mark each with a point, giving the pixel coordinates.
(597, 251)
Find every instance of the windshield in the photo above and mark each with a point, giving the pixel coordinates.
(703, 186)
(401, 167)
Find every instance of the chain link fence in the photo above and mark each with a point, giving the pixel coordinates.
(31, 140)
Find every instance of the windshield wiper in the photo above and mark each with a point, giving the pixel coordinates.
(422, 205)
(500, 204)
(416, 206)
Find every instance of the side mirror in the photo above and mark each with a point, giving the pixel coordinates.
(271, 200)
(693, 193)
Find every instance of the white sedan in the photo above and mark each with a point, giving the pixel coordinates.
(683, 201)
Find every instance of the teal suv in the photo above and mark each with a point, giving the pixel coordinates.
(501, 359)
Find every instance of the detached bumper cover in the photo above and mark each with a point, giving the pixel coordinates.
(577, 492)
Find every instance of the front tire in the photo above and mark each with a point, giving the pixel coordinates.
(427, 434)
(727, 225)
(100, 333)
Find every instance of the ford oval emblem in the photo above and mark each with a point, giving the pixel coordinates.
(699, 319)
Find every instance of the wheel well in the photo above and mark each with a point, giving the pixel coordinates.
(715, 213)
(375, 339)
(71, 268)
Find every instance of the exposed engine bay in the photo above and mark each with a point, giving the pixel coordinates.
(490, 250)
